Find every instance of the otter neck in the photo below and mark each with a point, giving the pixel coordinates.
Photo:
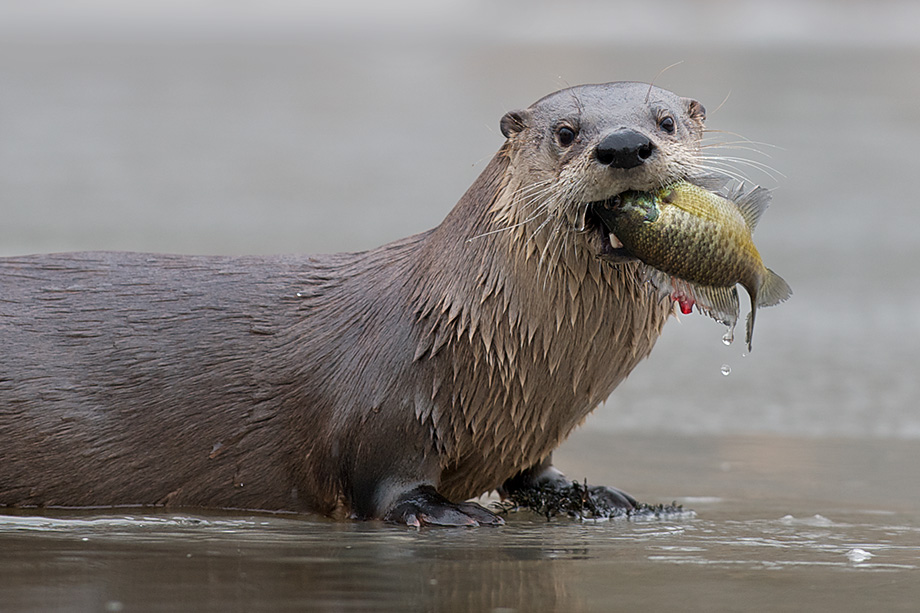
(516, 347)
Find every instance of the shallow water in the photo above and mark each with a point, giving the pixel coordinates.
(817, 533)
(301, 131)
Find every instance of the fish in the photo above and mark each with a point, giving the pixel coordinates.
(697, 246)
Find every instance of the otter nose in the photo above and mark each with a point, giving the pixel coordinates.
(624, 149)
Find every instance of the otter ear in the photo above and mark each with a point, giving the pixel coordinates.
(696, 110)
(514, 121)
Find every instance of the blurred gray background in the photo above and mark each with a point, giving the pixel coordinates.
(243, 128)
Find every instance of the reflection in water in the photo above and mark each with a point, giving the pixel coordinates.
(781, 520)
(65, 560)
(285, 562)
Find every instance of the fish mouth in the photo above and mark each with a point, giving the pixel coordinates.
(600, 218)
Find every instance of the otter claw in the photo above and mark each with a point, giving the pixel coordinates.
(424, 506)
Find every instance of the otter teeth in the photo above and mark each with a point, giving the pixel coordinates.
(614, 241)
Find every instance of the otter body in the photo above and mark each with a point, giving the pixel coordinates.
(393, 383)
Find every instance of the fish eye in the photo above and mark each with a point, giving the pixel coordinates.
(666, 123)
(565, 135)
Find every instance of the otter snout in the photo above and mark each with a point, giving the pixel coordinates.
(624, 149)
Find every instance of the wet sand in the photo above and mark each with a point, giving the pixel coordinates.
(802, 464)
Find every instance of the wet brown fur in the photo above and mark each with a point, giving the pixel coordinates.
(458, 357)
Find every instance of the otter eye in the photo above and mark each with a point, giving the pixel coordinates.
(565, 135)
(666, 123)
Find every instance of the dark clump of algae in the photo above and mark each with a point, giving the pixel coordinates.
(578, 502)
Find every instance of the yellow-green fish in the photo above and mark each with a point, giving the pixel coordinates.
(698, 245)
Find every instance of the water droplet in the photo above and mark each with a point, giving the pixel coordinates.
(726, 369)
(728, 337)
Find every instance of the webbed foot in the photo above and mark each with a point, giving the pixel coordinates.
(612, 497)
(544, 490)
(424, 506)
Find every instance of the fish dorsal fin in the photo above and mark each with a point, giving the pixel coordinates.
(751, 203)
(712, 183)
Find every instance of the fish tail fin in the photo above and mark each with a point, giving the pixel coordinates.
(773, 290)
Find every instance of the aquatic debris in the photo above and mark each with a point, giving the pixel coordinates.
(697, 247)
(577, 501)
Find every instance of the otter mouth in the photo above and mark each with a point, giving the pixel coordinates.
(600, 220)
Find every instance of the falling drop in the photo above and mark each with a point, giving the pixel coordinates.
(726, 370)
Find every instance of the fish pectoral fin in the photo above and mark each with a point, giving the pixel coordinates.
(749, 328)
(751, 203)
(720, 303)
(773, 290)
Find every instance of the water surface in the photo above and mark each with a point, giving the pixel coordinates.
(779, 525)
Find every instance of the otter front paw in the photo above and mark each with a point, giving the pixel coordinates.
(612, 497)
(424, 506)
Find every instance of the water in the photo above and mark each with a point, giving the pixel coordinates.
(289, 130)
(779, 526)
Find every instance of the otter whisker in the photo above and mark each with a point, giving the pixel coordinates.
(741, 139)
(739, 166)
(763, 167)
(506, 228)
(719, 170)
(741, 145)
(651, 85)
(529, 196)
(533, 194)
(724, 100)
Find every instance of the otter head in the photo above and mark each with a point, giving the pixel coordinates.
(585, 145)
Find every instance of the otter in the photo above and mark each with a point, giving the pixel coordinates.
(395, 383)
